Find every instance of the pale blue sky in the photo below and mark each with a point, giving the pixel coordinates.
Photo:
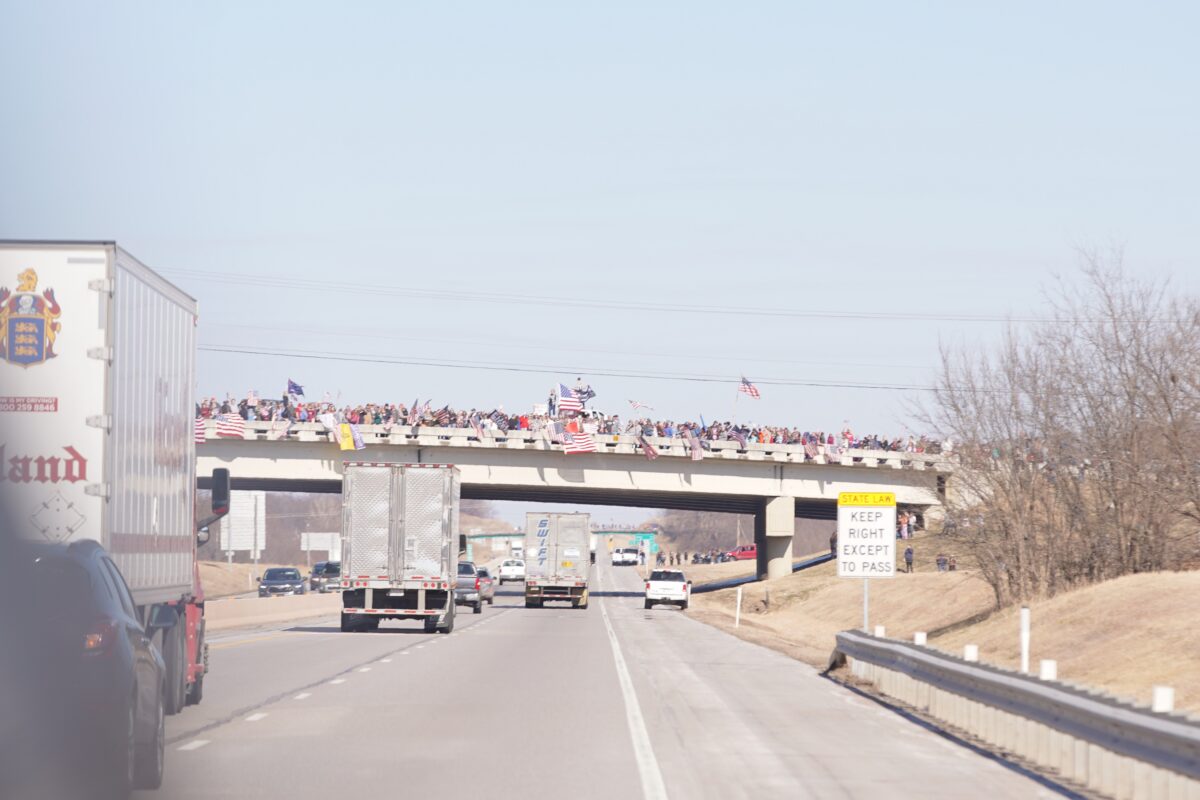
(917, 157)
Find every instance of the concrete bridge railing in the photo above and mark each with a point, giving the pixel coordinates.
(424, 436)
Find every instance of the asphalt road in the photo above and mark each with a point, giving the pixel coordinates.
(609, 702)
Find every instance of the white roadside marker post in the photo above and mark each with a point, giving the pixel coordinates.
(737, 614)
(1025, 640)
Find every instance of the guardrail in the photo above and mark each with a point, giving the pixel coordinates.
(1111, 745)
(425, 436)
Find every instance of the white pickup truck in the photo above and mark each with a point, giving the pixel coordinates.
(668, 586)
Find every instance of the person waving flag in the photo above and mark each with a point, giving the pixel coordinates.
(567, 400)
(295, 388)
(746, 387)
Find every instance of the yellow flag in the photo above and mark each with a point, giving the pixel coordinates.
(345, 437)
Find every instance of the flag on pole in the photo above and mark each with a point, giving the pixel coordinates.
(199, 431)
(414, 412)
(500, 420)
(746, 387)
(443, 416)
(578, 443)
(636, 405)
(648, 450)
(585, 394)
(231, 425)
(295, 388)
(567, 401)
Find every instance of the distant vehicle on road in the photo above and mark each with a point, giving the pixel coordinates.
(280, 580)
(468, 590)
(668, 586)
(743, 552)
(511, 569)
(326, 577)
(400, 523)
(487, 586)
(625, 557)
(313, 584)
(558, 565)
(112, 702)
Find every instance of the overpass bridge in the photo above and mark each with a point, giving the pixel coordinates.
(776, 483)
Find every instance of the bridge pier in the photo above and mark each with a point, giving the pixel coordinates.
(774, 528)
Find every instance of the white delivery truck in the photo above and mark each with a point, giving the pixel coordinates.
(97, 369)
(557, 559)
(399, 544)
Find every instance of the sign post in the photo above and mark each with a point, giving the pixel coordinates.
(866, 539)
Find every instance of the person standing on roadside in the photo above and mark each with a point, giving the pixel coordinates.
(908, 558)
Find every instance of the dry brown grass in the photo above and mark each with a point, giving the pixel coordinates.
(1124, 636)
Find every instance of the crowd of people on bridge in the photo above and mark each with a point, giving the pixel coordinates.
(298, 409)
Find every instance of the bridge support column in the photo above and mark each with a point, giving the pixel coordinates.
(774, 527)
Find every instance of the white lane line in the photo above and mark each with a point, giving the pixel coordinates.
(194, 744)
(336, 681)
(364, 669)
(385, 661)
(653, 787)
(405, 653)
(255, 717)
(302, 696)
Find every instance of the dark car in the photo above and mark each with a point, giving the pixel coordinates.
(280, 580)
(313, 579)
(93, 684)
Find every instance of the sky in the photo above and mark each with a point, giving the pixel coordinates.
(656, 196)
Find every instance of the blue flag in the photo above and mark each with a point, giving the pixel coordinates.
(295, 388)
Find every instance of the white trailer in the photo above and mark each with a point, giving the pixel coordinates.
(97, 365)
(399, 542)
(557, 558)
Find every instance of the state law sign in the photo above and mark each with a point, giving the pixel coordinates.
(866, 535)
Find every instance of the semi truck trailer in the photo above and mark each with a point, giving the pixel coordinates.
(399, 544)
(97, 370)
(557, 559)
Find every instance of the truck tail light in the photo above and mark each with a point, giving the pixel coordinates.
(647, 586)
(477, 584)
(100, 636)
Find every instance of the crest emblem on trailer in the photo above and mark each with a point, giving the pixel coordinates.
(28, 322)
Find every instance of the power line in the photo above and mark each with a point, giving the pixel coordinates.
(376, 290)
(546, 369)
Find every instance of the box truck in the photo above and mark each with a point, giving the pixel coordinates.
(399, 544)
(557, 559)
(97, 370)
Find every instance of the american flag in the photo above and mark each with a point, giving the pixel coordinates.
(636, 405)
(477, 426)
(199, 431)
(567, 401)
(281, 431)
(695, 446)
(500, 420)
(648, 450)
(414, 412)
(554, 432)
(578, 443)
(746, 387)
(231, 425)
(443, 416)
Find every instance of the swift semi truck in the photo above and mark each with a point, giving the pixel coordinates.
(557, 559)
(399, 544)
(97, 369)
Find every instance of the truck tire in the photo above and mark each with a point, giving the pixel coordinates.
(492, 600)
(448, 626)
(349, 623)
(528, 603)
(683, 606)
(648, 605)
(477, 607)
(431, 624)
(175, 656)
(583, 603)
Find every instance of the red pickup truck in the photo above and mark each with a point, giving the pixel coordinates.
(743, 552)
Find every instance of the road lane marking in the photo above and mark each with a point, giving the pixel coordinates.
(302, 696)
(194, 744)
(239, 642)
(385, 661)
(255, 717)
(364, 669)
(653, 787)
(338, 680)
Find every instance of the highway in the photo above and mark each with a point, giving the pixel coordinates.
(609, 702)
